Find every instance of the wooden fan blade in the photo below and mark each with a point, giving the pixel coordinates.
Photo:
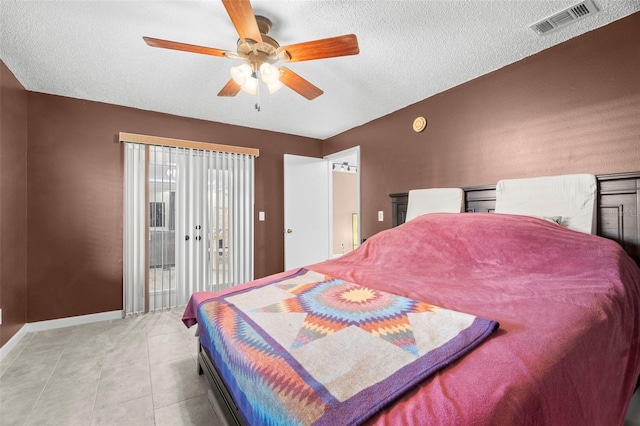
(319, 49)
(156, 42)
(299, 84)
(243, 19)
(230, 89)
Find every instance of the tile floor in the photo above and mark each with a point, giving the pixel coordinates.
(136, 371)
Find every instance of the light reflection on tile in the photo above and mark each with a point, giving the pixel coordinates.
(175, 381)
(123, 383)
(138, 412)
(193, 412)
(65, 401)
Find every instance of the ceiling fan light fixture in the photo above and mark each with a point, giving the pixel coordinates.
(246, 78)
(250, 86)
(274, 87)
(241, 74)
(271, 77)
(269, 73)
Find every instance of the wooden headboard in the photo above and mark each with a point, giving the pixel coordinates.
(618, 207)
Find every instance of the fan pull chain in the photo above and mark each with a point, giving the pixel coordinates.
(257, 104)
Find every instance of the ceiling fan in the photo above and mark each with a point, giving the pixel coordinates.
(260, 52)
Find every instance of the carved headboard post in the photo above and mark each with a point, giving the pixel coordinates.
(618, 207)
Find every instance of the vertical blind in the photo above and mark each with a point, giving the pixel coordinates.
(188, 223)
(135, 228)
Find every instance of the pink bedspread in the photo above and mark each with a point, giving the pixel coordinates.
(568, 304)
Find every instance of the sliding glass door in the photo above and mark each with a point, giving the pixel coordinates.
(199, 226)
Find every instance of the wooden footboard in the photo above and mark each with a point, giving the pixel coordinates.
(224, 406)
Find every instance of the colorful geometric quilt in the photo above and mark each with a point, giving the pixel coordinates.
(313, 349)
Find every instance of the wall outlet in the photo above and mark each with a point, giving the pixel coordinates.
(380, 216)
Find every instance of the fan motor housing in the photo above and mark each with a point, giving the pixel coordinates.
(265, 52)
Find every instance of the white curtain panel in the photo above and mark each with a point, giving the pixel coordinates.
(134, 228)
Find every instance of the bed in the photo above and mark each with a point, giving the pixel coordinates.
(551, 318)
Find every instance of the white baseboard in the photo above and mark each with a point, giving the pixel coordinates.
(6, 348)
(71, 321)
(57, 323)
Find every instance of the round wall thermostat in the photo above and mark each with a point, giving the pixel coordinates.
(419, 124)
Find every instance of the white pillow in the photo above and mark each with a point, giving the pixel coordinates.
(434, 200)
(573, 197)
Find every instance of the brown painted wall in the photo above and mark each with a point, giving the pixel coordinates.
(569, 109)
(75, 197)
(13, 204)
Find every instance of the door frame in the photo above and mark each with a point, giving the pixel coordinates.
(350, 155)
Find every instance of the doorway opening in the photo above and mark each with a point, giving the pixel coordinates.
(344, 202)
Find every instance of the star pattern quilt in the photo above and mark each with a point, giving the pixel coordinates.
(313, 349)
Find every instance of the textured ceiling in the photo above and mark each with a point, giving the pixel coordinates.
(409, 50)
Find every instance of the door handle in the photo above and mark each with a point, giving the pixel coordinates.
(289, 230)
(186, 238)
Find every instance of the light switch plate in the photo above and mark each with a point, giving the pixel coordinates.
(380, 216)
(261, 216)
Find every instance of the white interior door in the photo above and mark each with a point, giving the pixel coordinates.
(306, 211)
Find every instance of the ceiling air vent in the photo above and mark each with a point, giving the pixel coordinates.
(565, 17)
